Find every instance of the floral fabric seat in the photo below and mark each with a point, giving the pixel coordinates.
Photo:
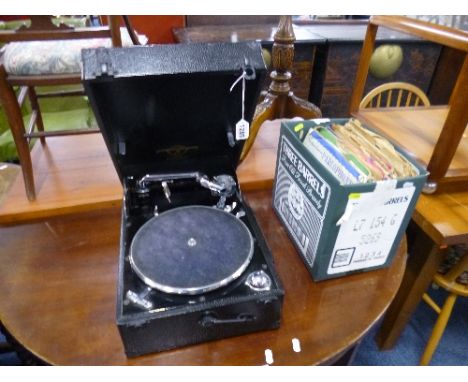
(42, 56)
(53, 57)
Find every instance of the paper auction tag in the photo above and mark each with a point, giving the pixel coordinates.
(242, 127)
(242, 130)
(366, 237)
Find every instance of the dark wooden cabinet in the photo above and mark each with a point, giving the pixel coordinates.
(304, 53)
(336, 65)
(326, 58)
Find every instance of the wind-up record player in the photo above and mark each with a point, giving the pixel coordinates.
(193, 265)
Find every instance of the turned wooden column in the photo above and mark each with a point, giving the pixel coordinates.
(282, 57)
(280, 102)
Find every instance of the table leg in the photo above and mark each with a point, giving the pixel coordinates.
(423, 262)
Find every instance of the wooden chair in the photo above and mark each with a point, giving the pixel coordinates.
(450, 282)
(395, 94)
(24, 65)
(457, 117)
(279, 101)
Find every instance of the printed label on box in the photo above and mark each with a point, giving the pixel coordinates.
(365, 239)
(301, 199)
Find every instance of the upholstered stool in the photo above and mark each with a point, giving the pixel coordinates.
(53, 56)
(455, 282)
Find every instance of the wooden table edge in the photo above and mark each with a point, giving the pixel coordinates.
(356, 342)
(40, 214)
(324, 360)
(32, 215)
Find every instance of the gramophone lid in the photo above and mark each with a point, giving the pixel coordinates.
(169, 107)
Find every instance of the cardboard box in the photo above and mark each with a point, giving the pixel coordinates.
(339, 229)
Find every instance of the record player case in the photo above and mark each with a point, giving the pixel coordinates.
(193, 265)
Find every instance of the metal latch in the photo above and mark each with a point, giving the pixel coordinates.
(103, 63)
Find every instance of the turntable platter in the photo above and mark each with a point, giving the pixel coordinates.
(191, 250)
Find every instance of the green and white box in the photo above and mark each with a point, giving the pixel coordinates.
(339, 229)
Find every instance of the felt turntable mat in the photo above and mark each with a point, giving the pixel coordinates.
(191, 250)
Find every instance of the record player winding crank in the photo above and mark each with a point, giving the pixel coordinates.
(194, 265)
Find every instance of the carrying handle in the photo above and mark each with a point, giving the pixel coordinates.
(211, 318)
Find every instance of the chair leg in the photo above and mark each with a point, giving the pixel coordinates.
(35, 106)
(438, 330)
(15, 120)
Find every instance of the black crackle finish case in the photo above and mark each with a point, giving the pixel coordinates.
(194, 265)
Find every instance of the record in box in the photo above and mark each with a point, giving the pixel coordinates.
(345, 202)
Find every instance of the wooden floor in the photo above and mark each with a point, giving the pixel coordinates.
(75, 173)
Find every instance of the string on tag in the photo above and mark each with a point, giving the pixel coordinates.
(242, 127)
(241, 77)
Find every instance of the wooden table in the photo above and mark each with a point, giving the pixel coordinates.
(72, 174)
(75, 184)
(440, 220)
(75, 174)
(58, 283)
(417, 129)
(444, 149)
